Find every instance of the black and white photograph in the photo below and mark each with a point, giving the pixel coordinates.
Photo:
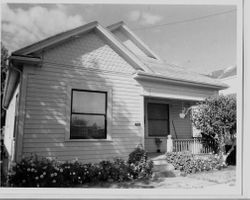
(136, 100)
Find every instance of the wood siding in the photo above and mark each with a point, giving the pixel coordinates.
(86, 61)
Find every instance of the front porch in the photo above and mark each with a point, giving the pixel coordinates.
(166, 129)
(196, 146)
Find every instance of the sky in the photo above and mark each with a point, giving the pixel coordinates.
(199, 37)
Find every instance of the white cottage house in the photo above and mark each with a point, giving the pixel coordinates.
(94, 93)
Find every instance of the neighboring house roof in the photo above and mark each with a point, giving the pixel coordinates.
(224, 73)
(146, 66)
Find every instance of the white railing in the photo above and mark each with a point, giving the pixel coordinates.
(195, 146)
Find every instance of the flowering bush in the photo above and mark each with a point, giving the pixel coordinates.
(189, 163)
(137, 155)
(42, 172)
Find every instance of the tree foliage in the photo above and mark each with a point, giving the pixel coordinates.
(216, 118)
(4, 57)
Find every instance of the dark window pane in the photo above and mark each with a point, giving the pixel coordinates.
(87, 126)
(88, 102)
(157, 111)
(158, 128)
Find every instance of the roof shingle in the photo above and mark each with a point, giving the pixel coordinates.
(179, 73)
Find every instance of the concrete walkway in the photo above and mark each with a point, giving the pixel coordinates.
(212, 179)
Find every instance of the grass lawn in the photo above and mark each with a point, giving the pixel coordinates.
(225, 177)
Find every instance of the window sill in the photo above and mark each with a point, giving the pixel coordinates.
(88, 140)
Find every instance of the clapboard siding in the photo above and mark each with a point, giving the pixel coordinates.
(81, 63)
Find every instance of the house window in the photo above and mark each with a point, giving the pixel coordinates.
(158, 119)
(88, 114)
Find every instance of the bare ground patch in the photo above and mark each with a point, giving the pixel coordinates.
(225, 177)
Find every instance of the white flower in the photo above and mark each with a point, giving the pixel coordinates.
(44, 173)
(74, 173)
(54, 181)
(36, 177)
(61, 170)
(41, 176)
(28, 169)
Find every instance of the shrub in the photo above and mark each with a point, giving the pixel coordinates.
(137, 155)
(188, 163)
(216, 119)
(42, 172)
(140, 166)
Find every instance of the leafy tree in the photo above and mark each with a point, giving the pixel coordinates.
(4, 57)
(216, 118)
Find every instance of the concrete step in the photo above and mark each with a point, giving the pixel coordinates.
(162, 168)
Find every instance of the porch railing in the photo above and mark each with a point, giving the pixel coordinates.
(195, 145)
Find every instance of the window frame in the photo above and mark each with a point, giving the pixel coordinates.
(83, 113)
(89, 87)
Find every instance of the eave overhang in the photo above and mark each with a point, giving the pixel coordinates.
(16, 63)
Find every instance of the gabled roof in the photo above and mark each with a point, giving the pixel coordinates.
(125, 29)
(27, 53)
(149, 68)
(62, 37)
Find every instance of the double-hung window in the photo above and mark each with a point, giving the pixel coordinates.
(88, 114)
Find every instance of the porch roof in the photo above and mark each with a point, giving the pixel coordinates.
(162, 70)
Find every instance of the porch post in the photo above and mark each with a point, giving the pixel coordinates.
(169, 144)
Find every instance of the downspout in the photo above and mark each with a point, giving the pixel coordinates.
(20, 72)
